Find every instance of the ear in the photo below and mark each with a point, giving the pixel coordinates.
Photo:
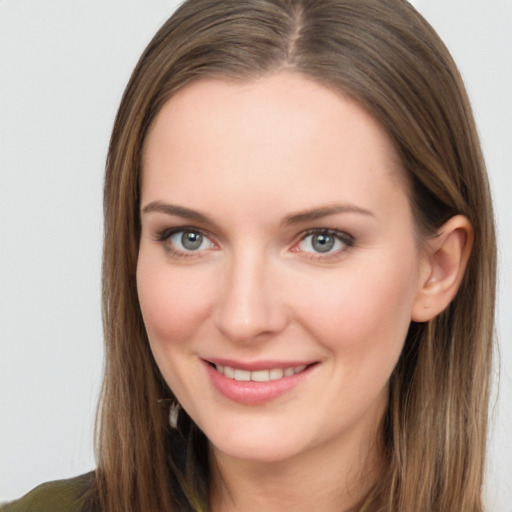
(446, 257)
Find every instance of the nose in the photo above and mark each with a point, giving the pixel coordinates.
(250, 304)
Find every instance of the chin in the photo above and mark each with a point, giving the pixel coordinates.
(258, 442)
(257, 450)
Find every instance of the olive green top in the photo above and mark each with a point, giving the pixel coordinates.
(58, 496)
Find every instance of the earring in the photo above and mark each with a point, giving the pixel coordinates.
(174, 413)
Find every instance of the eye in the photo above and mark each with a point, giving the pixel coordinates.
(185, 241)
(325, 241)
(190, 241)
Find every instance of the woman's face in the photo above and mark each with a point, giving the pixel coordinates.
(278, 264)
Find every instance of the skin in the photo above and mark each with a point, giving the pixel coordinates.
(247, 156)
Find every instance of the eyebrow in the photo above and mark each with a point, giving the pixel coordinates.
(292, 219)
(324, 211)
(178, 211)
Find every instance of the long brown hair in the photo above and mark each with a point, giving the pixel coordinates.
(386, 56)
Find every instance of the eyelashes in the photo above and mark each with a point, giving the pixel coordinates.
(317, 243)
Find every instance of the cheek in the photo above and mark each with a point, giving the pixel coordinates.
(173, 303)
(361, 314)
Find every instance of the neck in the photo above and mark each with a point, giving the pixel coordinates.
(334, 477)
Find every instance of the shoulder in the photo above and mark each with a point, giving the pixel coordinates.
(59, 496)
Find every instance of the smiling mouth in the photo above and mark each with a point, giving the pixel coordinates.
(258, 382)
(258, 375)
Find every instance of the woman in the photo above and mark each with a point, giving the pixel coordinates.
(299, 269)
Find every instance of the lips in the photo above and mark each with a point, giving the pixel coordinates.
(256, 383)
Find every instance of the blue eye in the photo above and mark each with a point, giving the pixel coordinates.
(188, 240)
(324, 242)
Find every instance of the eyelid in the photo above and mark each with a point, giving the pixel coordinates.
(163, 234)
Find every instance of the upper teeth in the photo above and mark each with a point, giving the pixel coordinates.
(259, 375)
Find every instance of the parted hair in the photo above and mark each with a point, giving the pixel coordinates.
(386, 57)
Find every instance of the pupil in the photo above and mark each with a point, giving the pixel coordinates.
(191, 240)
(323, 243)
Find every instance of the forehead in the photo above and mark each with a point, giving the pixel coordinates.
(279, 133)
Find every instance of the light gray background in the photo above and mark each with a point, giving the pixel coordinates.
(63, 67)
